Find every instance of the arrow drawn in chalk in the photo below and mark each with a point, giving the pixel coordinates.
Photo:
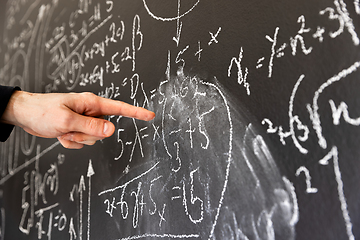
(178, 26)
(89, 174)
(81, 189)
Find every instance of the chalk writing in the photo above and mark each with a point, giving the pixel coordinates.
(241, 74)
(334, 154)
(341, 14)
(342, 110)
(273, 52)
(313, 110)
(357, 6)
(293, 119)
(178, 25)
(200, 163)
(214, 37)
(299, 38)
(309, 189)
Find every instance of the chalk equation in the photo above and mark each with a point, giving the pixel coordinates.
(337, 13)
(252, 133)
(181, 137)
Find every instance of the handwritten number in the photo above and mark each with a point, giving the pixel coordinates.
(136, 34)
(111, 5)
(193, 200)
(309, 189)
(119, 140)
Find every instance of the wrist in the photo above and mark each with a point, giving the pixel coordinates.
(15, 108)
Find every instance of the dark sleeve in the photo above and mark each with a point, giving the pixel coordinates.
(5, 94)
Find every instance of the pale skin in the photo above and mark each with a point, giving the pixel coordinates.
(75, 119)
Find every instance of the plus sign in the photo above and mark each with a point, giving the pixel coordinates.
(142, 204)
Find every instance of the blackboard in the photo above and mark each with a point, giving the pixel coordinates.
(256, 134)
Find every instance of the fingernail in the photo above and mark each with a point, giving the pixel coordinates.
(106, 127)
(88, 142)
(152, 116)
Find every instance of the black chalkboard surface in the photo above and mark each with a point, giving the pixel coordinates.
(256, 134)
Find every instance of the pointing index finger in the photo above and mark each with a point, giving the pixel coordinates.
(113, 107)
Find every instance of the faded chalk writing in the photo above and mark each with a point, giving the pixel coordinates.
(247, 99)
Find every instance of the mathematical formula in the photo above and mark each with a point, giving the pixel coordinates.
(202, 163)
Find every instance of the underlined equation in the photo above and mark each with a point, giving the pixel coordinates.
(342, 25)
(181, 179)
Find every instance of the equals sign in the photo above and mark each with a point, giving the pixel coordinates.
(259, 63)
(176, 197)
(152, 94)
(145, 135)
(124, 82)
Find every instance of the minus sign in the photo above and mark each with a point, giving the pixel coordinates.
(144, 128)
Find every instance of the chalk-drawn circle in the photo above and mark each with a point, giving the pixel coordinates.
(196, 134)
(183, 177)
(167, 19)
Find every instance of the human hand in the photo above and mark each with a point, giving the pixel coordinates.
(73, 118)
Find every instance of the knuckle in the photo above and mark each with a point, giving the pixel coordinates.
(90, 98)
(94, 125)
(78, 138)
(88, 94)
(136, 112)
(65, 144)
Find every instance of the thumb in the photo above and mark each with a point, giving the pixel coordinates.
(93, 126)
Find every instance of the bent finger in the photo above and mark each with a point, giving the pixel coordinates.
(81, 138)
(69, 144)
(89, 126)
